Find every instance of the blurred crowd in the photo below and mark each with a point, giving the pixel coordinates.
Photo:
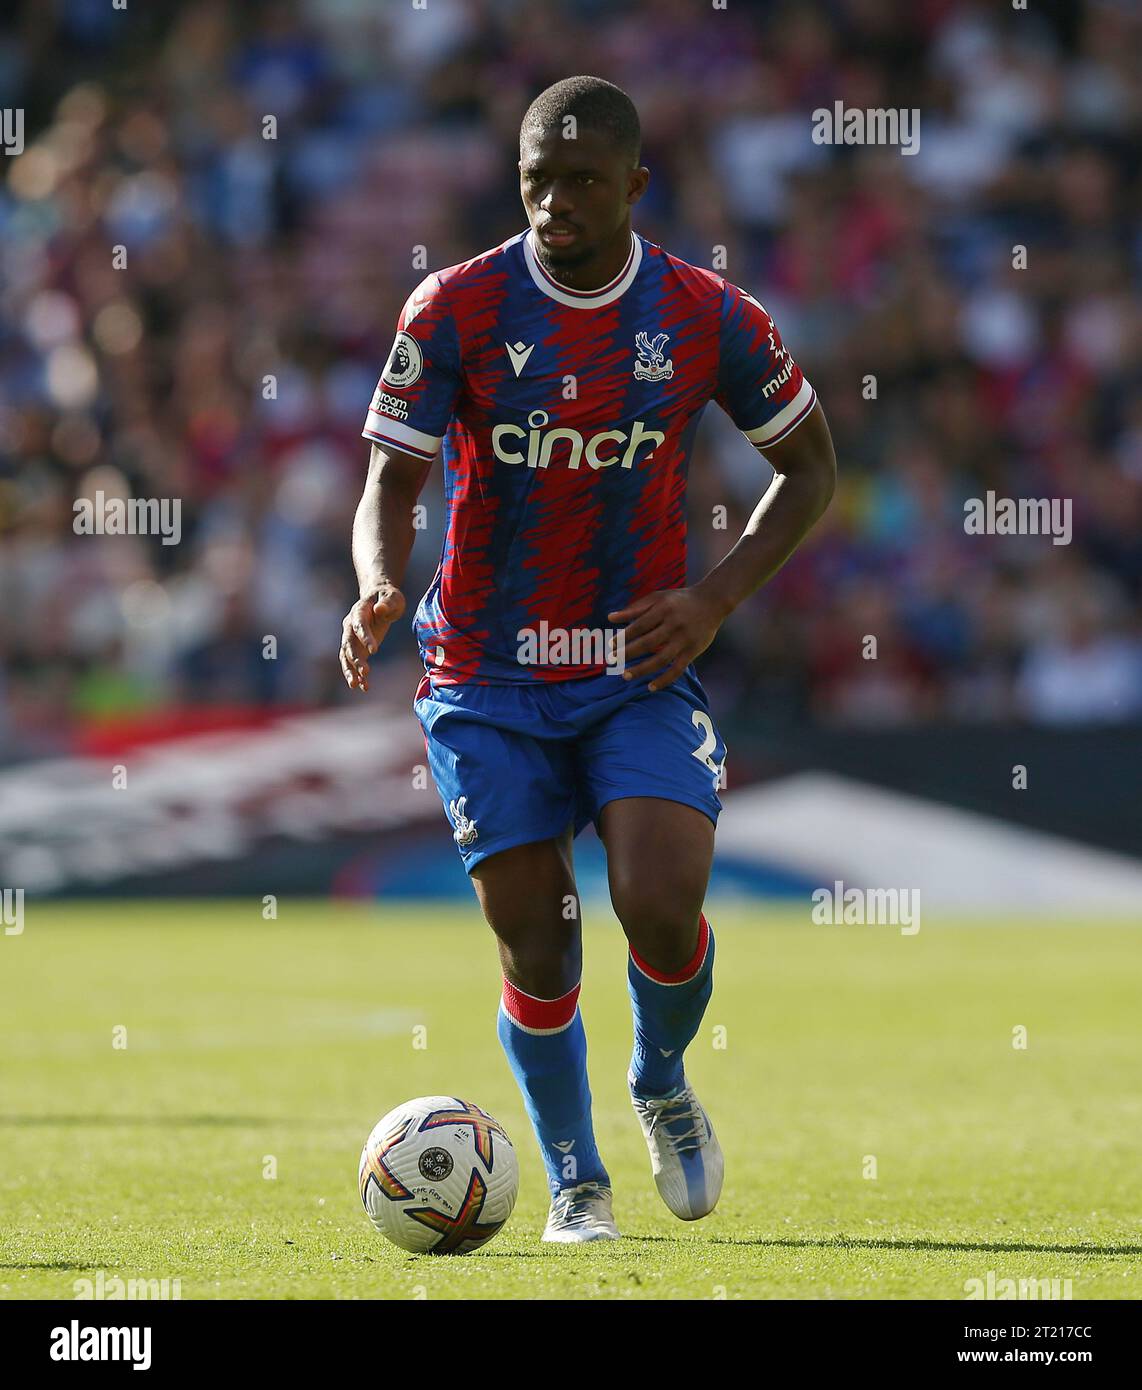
(192, 310)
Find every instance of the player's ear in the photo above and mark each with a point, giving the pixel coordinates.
(637, 182)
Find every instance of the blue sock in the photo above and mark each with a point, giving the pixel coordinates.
(667, 1012)
(546, 1048)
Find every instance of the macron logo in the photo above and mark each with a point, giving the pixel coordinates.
(519, 353)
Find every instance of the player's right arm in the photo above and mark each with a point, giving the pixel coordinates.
(383, 533)
(411, 407)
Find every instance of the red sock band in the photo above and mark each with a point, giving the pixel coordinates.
(689, 970)
(539, 1015)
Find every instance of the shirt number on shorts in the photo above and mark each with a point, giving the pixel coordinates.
(701, 720)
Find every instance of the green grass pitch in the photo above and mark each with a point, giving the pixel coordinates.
(255, 1043)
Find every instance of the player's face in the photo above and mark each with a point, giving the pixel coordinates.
(578, 195)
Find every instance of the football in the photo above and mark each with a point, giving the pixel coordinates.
(438, 1176)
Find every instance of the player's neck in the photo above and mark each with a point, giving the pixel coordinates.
(606, 265)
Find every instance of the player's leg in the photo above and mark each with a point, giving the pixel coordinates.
(653, 768)
(510, 796)
(659, 855)
(524, 893)
(658, 858)
(528, 897)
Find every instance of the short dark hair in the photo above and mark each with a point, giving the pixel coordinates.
(596, 105)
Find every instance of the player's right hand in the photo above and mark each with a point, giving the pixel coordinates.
(364, 630)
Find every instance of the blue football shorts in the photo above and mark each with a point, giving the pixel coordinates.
(516, 763)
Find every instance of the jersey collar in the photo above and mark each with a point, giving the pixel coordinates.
(583, 299)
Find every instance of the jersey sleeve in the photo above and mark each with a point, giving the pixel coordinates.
(417, 392)
(760, 387)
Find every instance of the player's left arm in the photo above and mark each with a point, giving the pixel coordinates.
(674, 626)
(764, 391)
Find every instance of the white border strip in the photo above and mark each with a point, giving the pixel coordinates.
(786, 420)
(382, 430)
(583, 299)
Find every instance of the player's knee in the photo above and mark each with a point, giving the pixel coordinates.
(660, 922)
(541, 952)
(546, 968)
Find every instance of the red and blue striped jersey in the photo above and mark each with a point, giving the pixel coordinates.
(567, 419)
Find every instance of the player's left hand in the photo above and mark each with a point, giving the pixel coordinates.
(670, 627)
